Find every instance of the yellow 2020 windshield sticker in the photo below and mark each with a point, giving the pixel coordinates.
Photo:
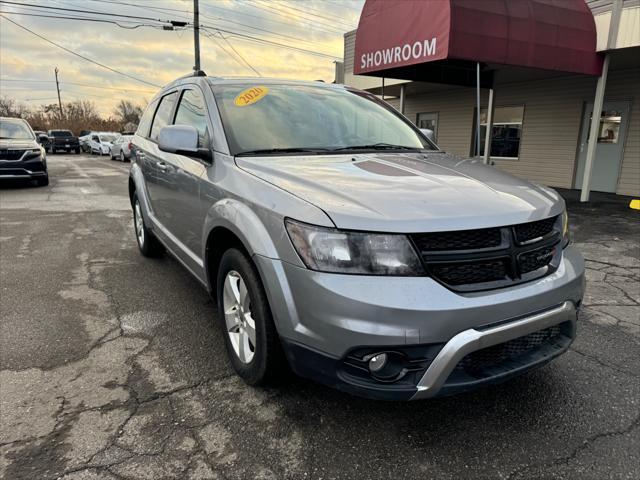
(250, 96)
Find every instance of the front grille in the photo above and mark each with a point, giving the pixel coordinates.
(535, 259)
(11, 154)
(464, 273)
(478, 361)
(469, 260)
(532, 230)
(461, 240)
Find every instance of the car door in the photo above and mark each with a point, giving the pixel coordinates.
(183, 214)
(155, 166)
(95, 143)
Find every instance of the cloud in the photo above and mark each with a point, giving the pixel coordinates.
(159, 56)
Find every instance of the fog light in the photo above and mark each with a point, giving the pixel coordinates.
(377, 362)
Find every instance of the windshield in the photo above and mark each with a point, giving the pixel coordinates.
(15, 130)
(61, 133)
(107, 138)
(293, 117)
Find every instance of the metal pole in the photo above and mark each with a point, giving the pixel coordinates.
(402, 100)
(593, 131)
(487, 133)
(382, 88)
(196, 33)
(58, 88)
(478, 108)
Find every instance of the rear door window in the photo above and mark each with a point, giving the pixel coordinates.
(163, 114)
(193, 111)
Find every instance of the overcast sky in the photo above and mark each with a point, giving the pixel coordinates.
(157, 56)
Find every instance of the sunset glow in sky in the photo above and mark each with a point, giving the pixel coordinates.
(314, 27)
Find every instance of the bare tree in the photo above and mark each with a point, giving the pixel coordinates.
(10, 108)
(127, 112)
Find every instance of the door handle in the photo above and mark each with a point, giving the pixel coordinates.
(162, 166)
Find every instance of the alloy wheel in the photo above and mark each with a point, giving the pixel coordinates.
(139, 225)
(241, 326)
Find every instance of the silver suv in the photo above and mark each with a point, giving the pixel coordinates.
(338, 239)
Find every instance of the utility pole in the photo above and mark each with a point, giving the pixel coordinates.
(196, 33)
(58, 88)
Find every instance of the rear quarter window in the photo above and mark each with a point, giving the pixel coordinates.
(145, 120)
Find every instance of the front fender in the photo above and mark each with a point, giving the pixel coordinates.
(244, 223)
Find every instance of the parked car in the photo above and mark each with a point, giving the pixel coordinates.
(337, 236)
(42, 138)
(100, 142)
(21, 156)
(62, 140)
(121, 148)
(85, 141)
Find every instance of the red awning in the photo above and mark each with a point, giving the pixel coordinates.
(435, 40)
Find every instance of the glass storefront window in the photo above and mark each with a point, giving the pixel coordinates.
(428, 120)
(609, 129)
(505, 132)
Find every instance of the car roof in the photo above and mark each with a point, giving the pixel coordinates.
(211, 80)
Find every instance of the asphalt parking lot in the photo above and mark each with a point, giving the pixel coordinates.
(113, 366)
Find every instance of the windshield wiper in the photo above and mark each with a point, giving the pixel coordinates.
(268, 151)
(377, 146)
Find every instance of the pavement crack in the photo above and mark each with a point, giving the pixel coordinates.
(575, 452)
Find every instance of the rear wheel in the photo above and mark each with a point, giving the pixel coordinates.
(149, 245)
(77, 150)
(250, 335)
(122, 159)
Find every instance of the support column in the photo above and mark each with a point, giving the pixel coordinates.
(477, 109)
(612, 39)
(593, 131)
(487, 135)
(402, 87)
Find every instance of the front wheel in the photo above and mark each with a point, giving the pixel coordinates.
(121, 156)
(148, 244)
(250, 335)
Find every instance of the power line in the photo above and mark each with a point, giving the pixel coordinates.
(237, 57)
(79, 55)
(86, 20)
(272, 8)
(82, 11)
(240, 55)
(124, 89)
(309, 10)
(268, 42)
(247, 36)
(210, 36)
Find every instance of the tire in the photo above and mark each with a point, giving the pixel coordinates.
(77, 150)
(122, 159)
(111, 157)
(42, 181)
(148, 244)
(260, 359)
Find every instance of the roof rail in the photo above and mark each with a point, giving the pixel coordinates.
(195, 73)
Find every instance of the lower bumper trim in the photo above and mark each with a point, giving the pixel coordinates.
(475, 339)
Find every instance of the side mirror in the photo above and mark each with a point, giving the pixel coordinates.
(182, 140)
(42, 138)
(427, 132)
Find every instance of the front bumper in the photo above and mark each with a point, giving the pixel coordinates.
(31, 168)
(324, 318)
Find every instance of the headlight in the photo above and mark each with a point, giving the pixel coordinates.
(566, 237)
(36, 152)
(336, 251)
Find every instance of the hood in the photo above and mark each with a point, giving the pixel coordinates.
(8, 144)
(407, 192)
